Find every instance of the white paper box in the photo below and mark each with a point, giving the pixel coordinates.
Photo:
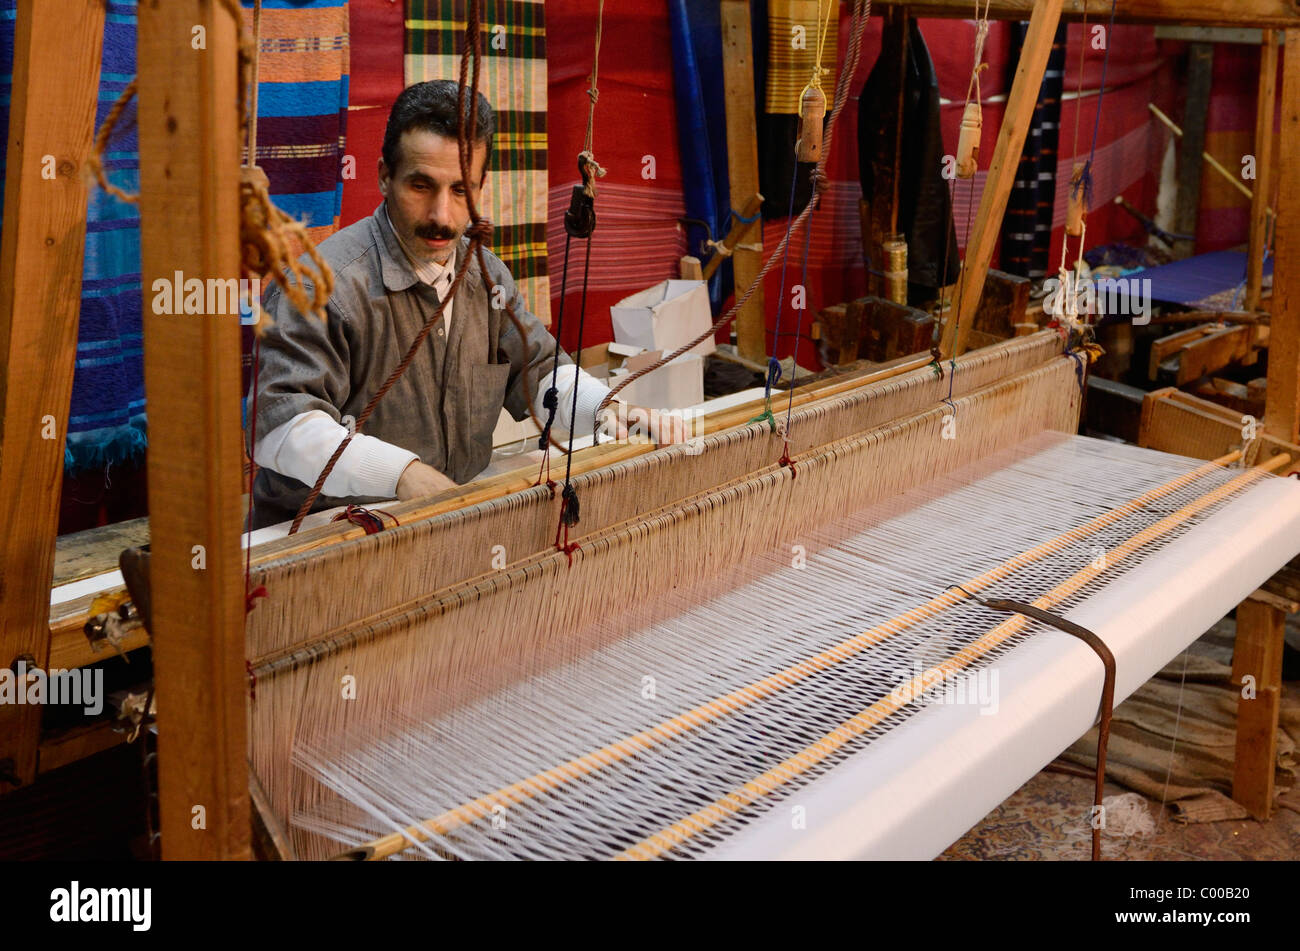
(665, 317)
(674, 385)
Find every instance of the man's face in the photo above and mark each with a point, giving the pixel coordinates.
(426, 195)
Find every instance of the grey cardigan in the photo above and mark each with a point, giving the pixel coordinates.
(445, 406)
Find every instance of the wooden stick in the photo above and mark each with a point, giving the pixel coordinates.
(1259, 211)
(742, 168)
(1258, 654)
(671, 729)
(41, 256)
(1002, 174)
(735, 234)
(1238, 13)
(190, 140)
(849, 730)
(1233, 180)
(1282, 406)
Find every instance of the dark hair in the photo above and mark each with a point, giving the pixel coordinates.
(432, 106)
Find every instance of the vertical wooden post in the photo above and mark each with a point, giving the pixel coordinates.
(1258, 654)
(57, 46)
(1282, 403)
(189, 215)
(1191, 147)
(981, 242)
(742, 169)
(1265, 105)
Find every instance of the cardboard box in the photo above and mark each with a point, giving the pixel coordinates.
(675, 385)
(665, 317)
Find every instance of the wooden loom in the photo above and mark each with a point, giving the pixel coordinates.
(304, 636)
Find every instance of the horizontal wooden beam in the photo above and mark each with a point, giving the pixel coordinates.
(1238, 13)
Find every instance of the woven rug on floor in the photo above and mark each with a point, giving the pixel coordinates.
(1174, 739)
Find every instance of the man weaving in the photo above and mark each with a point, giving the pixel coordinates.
(433, 429)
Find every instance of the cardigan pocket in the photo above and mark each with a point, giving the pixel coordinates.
(487, 397)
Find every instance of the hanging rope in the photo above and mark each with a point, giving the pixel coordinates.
(773, 364)
(579, 222)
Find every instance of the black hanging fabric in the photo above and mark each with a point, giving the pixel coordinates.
(924, 204)
(1027, 226)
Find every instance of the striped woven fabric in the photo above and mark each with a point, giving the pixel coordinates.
(514, 81)
(302, 104)
(302, 108)
(793, 30)
(106, 424)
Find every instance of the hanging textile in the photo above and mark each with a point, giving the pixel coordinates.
(698, 92)
(514, 82)
(377, 33)
(302, 107)
(923, 198)
(1027, 232)
(106, 423)
(8, 17)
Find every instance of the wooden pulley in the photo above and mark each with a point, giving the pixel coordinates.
(1076, 210)
(968, 144)
(812, 113)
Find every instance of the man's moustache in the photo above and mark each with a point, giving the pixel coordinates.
(430, 233)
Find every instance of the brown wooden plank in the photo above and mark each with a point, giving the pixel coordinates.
(1212, 352)
(742, 169)
(1237, 13)
(1003, 304)
(1265, 106)
(1282, 409)
(1165, 347)
(94, 551)
(1258, 653)
(1002, 173)
(42, 245)
(68, 746)
(189, 173)
(1178, 422)
(1191, 144)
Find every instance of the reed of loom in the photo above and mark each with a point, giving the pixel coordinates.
(439, 649)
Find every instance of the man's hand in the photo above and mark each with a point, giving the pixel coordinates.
(419, 480)
(666, 429)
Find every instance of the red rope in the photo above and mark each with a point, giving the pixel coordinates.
(252, 595)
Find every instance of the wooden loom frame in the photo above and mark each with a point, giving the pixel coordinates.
(189, 164)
